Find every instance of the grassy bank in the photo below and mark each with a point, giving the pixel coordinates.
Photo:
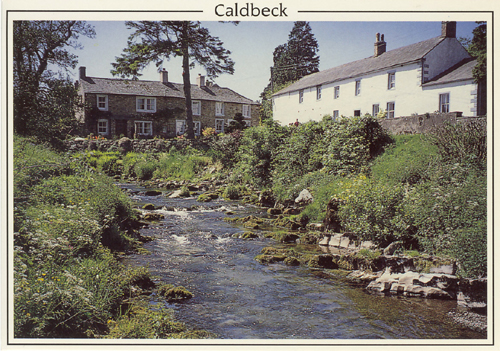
(70, 222)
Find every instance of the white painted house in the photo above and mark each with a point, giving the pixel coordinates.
(432, 75)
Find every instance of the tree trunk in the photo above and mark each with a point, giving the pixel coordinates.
(187, 81)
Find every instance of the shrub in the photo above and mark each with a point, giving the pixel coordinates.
(223, 149)
(352, 143)
(178, 166)
(463, 142)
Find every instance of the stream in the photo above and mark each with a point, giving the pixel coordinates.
(235, 297)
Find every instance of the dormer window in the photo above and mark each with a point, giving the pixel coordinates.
(102, 102)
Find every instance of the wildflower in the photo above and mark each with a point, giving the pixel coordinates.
(40, 279)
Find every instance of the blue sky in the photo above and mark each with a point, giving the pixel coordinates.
(252, 44)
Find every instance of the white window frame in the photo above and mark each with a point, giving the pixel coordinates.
(246, 111)
(219, 108)
(219, 125)
(182, 124)
(106, 126)
(335, 114)
(196, 107)
(391, 109)
(357, 87)
(197, 128)
(301, 96)
(445, 104)
(318, 92)
(140, 128)
(105, 107)
(375, 109)
(391, 80)
(147, 105)
(336, 92)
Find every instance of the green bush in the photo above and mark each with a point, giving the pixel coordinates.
(353, 142)
(224, 148)
(178, 166)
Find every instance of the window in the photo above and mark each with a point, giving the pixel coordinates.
(219, 109)
(318, 92)
(146, 104)
(301, 96)
(336, 92)
(357, 113)
(444, 103)
(219, 126)
(391, 80)
(335, 114)
(102, 126)
(180, 127)
(196, 107)
(390, 109)
(102, 102)
(144, 128)
(246, 112)
(375, 110)
(357, 90)
(197, 127)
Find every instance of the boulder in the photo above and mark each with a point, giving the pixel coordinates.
(148, 207)
(389, 250)
(274, 211)
(125, 145)
(304, 198)
(153, 193)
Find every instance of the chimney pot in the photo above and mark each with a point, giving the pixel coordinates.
(380, 45)
(83, 72)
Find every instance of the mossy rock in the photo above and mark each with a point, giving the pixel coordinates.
(270, 258)
(184, 192)
(249, 235)
(204, 198)
(292, 261)
(269, 250)
(285, 237)
(153, 216)
(172, 293)
(251, 225)
(274, 211)
(323, 261)
(148, 207)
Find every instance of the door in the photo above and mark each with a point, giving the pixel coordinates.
(121, 128)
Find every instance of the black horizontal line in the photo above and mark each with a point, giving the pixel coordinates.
(393, 11)
(189, 11)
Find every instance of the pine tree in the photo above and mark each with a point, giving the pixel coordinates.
(153, 42)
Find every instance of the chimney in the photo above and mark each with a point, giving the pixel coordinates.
(200, 80)
(449, 29)
(380, 45)
(164, 76)
(83, 72)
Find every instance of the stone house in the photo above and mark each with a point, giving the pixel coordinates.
(145, 109)
(429, 76)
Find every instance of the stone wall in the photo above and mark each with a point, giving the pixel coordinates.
(135, 145)
(419, 124)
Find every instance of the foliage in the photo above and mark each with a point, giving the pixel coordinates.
(224, 148)
(155, 41)
(299, 154)
(353, 142)
(44, 103)
(298, 57)
(477, 49)
(463, 142)
(256, 152)
(178, 166)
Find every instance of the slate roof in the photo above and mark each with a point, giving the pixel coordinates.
(460, 72)
(392, 58)
(159, 89)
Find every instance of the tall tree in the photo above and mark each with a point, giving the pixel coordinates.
(38, 46)
(298, 57)
(291, 61)
(155, 41)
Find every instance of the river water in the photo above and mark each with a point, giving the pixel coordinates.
(235, 297)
